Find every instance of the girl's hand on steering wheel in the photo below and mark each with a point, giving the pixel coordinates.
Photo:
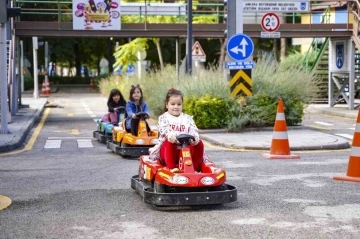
(192, 142)
(172, 139)
(133, 116)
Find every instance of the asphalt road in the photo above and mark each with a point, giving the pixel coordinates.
(67, 190)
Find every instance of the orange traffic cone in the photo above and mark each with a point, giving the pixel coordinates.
(280, 148)
(43, 88)
(47, 87)
(353, 171)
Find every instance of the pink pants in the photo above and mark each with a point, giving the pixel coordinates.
(111, 117)
(114, 117)
(170, 154)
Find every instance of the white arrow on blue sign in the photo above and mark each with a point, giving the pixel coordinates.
(240, 47)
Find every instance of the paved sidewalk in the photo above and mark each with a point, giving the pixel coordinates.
(21, 124)
(300, 138)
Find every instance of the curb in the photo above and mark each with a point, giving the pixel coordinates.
(344, 145)
(340, 114)
(20, 136)
(246, 130)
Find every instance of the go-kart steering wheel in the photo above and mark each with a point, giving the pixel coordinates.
(184, 139)
(141, 115)
(121, 107)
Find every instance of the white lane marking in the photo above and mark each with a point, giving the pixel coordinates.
(92, 116)
(69, 137)
(231, 164)
(323, 123)
(307, 179)
(351, 128)
(85, 143)
(344, 213)
(304, 201)
(90, 112)
(95, 120)
(249, 221)
(348, 136)
(86, 108)
(52, 144)
(327, 162)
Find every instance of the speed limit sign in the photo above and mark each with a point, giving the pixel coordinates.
(270, 22)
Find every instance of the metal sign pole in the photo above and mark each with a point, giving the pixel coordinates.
(46, 61)
(239, 16)
(22, 65)
(3, 79)
(189, 39)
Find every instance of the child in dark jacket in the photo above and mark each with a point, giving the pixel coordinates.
(115, 101)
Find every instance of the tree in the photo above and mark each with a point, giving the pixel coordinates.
(126, 54)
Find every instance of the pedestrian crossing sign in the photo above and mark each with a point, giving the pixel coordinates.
(198, 53)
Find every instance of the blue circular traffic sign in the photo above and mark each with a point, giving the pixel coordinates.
(240, 47)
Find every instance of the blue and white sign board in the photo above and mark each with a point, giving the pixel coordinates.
(276, 6)
(339, 54)
(238, 65)
(240, 47)
(339, 58)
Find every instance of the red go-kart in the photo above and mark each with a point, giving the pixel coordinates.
(157, 185)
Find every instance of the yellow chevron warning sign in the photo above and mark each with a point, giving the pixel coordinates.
(240, 82)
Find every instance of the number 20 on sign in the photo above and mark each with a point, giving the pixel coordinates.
(270, 22)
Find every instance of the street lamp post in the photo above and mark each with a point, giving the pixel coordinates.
(189, 39)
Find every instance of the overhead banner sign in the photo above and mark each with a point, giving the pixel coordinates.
(96, 15)
(277, 6)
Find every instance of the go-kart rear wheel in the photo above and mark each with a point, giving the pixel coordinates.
(159, 188)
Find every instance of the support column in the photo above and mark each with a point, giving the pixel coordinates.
(36, 83)
(351, 73)
(341, 72)
(46, 62)
(21, 70)
(3, 80)
(177, 60)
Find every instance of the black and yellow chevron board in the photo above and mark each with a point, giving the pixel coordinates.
(240, 82)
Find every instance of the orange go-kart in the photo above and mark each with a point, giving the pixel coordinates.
(128, 145)
(157, 185)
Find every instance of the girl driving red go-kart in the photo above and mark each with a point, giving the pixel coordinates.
(171, 124)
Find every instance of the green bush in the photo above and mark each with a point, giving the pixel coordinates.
(28, 83)
(57, 80)
(260, 111)
(209, 112)
(65, 80)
